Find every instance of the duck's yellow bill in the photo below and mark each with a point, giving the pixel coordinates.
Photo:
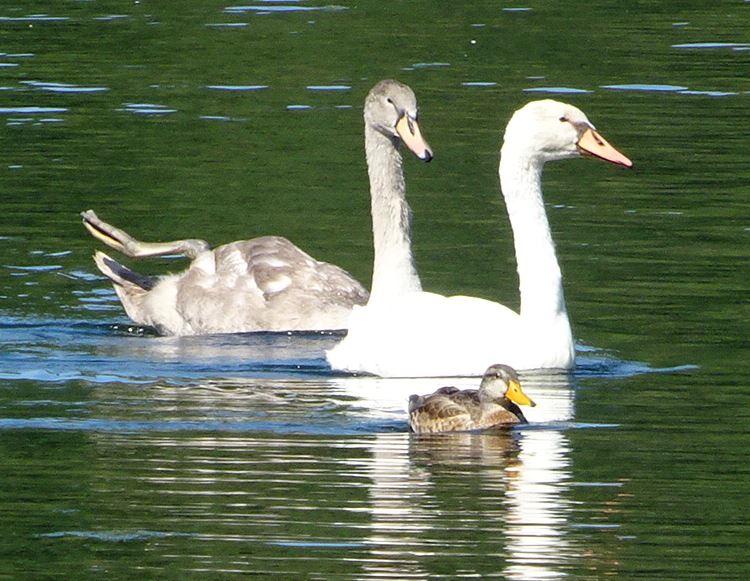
(516, 394)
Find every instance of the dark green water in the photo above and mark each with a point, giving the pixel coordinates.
(126, 454)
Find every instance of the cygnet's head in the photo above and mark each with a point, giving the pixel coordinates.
(549, 130)
(391, 108)
(501, 381)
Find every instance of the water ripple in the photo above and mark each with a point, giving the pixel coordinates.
(227, 24)
(34, 268)
(709, 93)
(114, 536)
(646, 87)
(101, 353)
(316, 544)
(328, 88)
(111, 17)
(237, 87)
(34, 18)
(63, 87)
(216, 118)
(295, 8)
(146, 109)
(31, 110)
(712, 45)
(560, 90)
(434, 65)
(202, 425)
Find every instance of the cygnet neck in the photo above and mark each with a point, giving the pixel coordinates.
(394, 272)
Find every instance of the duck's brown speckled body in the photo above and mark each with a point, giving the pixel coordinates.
(450, 409)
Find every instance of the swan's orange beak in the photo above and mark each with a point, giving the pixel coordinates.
(592, 143)
(515, 394)
(408, 130)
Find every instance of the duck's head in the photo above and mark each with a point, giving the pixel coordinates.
(549, 130)
(391, 108)
(501, 381)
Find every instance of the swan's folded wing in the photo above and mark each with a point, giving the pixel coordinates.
(267, 264)
(264, 284)
(277, 265)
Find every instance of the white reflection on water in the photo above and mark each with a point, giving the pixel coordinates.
(325, 463)
(387, 398)
(538, 506)
(518, 478)
(398, 521)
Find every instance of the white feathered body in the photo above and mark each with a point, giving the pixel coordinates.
(426, 334)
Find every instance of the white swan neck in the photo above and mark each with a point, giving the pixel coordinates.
(539, 276)
(394, 272)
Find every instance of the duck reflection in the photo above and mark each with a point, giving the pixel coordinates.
(497, 449)
(471, 488)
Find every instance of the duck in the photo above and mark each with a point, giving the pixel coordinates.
(424, 334)
(450, 409)
(268, 283)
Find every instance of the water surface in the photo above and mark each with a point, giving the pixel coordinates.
(124, 453)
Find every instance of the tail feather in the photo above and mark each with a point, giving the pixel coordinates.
(122, 275)
(130, 286)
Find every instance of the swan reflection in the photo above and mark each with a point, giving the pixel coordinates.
(513, 482)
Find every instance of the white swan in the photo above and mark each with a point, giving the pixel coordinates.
(267, 283)
(424, 334)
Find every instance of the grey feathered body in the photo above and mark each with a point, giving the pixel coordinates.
(268, 284)
(263, 284)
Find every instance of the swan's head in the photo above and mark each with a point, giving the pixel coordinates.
(501, 381)
(549, 130)
(391, 109)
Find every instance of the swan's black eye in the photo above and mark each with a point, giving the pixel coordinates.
(389, 100)
(563, 119)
